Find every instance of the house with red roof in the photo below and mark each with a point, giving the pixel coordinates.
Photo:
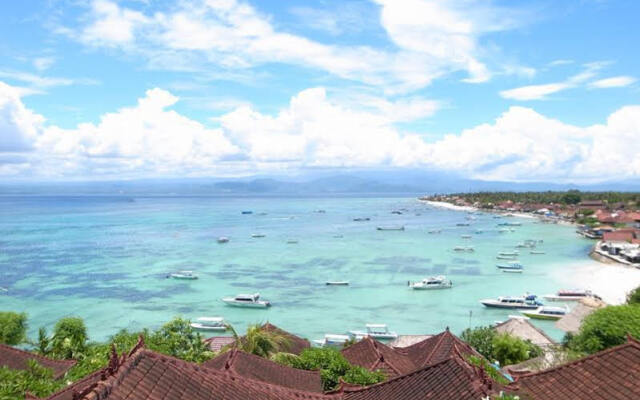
(14, 358)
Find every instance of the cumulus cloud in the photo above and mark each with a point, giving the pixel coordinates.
(19, 127)
(431, 38)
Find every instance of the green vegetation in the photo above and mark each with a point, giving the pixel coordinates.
(504, 348)
(69, 339)
(13, 328)
(491, 371)
(634, 297)
(261, 342)
(606, 327)
(35, 379)
(332, 366)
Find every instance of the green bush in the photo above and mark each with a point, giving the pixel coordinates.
(481, 339)
(178, 339)
(634, 296)
(504, 348)
(69, 339)
(13, 328)
(35, 379)
(605, 328)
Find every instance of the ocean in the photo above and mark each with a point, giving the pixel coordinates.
(106, 259)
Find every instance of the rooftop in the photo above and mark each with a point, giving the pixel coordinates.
(525, 330)
(14, 358)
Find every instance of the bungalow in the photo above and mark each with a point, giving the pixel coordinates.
(591, 204)
(14, 358)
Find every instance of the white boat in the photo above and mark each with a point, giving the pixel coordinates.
(537, 252)
(569, 295)
(529, 302)
(467, 249)
(332, 340)
(503, 230)
(390, 228)
(376, 331)
(210, 324)
(547, 313)
(362, 219)
(258, 235)
(337, 283)
(506, 257)
(432, 282)
(466, 236)
(247, 301)
(512, 266)
(186, 275)
(223, 239)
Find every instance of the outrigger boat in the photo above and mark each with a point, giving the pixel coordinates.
(258, 235)
(332, 340)
(247, 301)
(361, 219)
(337, 283)
(183, 275)
(210, 324)
(390, 228)
(432, 282)
(570, 295)
(529, 302)
(467, 249)
(512, 266)
(547, 313)
(376, 331)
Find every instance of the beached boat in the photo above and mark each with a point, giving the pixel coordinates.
(332, 340)
(432, 282)
(546, 312)
(183, 275)
(529, 302)
(466, 249)
(512, 266)
(362, 219)
(376, 331)
(258, 235)
(223, 239)
(337, 283)
(247, 301)
(210, 324)
(390, 228)
(570, 295)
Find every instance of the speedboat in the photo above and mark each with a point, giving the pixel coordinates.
(361, 219)
(210, 324)
(185, 275)
(247, 301)
(432, 282)
(376, 331)
(332, 340)
(223, 239)
(390, 228)
(337, 283)
(512, 266)
(529, 302)
(569, 295)
(546, 312)
(258, 235)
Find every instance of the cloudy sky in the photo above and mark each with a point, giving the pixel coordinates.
(541, 90)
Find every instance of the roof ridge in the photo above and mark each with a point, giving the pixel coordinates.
(36, 355)
(633, 343)
(314, 372)
(436, 347)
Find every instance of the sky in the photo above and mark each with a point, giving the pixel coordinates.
(540, 90)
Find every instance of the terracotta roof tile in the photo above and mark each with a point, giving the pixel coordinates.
(262, 369)
(612, 374)
(373, 355)
(297, 344)
(437, 348)
(216, 343)
(17, 359)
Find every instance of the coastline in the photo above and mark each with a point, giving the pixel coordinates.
(448, 206)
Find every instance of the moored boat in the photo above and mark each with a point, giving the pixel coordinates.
(546, 312)
(332, 340)
(537, 252)
(247, 301)
(570, 295)
(183, 275)
(529, 302)
(376, 331)
(432, 231)
(223, 239)
(210, 324)
(362, 219)
(508, 253)
(337, 283)
(390, 228)
(247, 212)
(258, 235)
(432, 282)
(512, 266)
(467, 249)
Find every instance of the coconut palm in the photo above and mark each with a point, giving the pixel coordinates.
(260, 341)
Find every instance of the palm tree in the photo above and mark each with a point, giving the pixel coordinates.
(260, 342)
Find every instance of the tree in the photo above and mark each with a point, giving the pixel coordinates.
(634, 297)
(606, 327)
(508, 350)
(43, 341)
(178, 339)
(571, 197)
(13, 328)
(481, 339)
(69, 339)
(261, 342)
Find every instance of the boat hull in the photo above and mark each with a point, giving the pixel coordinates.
(542, 316)
(246, 305)
(431, 287)
(201, 327)
(509, 306)
(337, 283)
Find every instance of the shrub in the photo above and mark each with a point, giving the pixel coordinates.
(178, 339)
(69, 338)
(605, 328)
(634, 296)
(13, 328)
(35, 379)
(504, 348)
(481, 339)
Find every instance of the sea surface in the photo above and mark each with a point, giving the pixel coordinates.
(106, 259)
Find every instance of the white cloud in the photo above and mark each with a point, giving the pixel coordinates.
(431, 38)
(38, 84)
(617, 81)
(43, 63)
(19, 127)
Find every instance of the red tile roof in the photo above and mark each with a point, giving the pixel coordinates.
(262, 369)
(373, 355)
(296, 345)
(216, 343)
(69, 391)
(17, 359)
(621, 235)
(449, 379)
(612, 374)
(437, 348)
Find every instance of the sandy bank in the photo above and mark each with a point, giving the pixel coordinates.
(449, 206)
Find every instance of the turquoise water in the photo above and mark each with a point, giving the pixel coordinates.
(105, 259)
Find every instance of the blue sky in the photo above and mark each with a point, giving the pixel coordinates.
(523, 91)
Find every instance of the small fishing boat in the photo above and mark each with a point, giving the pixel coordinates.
(320, 211)
(337, 283)
(258, 235)
(247, 212)
(463, 224)
(509, 253)
(390, 228)
(479, 231)
(506, 257)
(547, 313)
(338, 236)
(396, 212)
(512, 266)
(570, 295)
(510, 224)
(223, 239)
(432, 282)
(512, 271)
(466, 236)
(503, 230)
(529, 302)
(376, 331)
(433, 231)
(466, 249)
(184, 275)
(292, 241)
(247, 301)
(332, 340)
(362, 219)
(537, 252)
(210, 324)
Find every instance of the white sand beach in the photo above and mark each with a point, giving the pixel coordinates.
(442, 204)
(612, 282)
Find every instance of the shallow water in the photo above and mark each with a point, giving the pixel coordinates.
(105, 259)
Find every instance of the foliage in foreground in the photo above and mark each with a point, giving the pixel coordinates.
(13, 328)
(261, 342)
(504, 348)
(606, 327)
(634, 297)
(332, 366)
(35, 379)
